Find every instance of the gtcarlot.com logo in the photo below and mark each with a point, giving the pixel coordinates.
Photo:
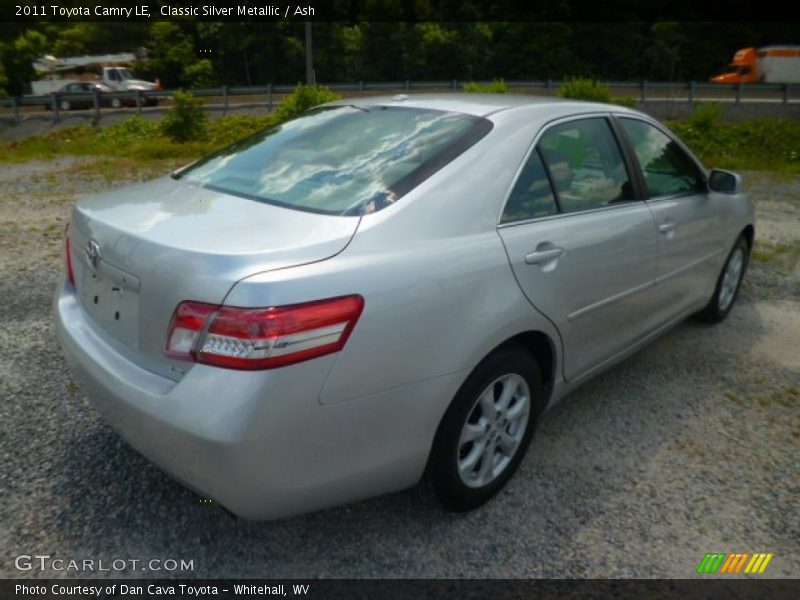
(734, 563)
(45, 562)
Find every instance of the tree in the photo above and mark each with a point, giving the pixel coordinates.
(18, 60)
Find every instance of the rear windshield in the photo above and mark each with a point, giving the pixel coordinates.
(341, 160)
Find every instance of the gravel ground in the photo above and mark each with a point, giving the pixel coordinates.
(688, 447)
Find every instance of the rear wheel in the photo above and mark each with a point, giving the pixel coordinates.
(728, 283)
(487, 429)
(65, 105)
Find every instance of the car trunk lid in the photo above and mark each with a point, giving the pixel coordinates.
(139, 252)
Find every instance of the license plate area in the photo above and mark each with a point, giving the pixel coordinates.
(111, 303)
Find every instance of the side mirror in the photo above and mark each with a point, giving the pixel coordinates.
(724, 182)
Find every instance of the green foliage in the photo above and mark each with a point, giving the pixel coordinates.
(497, 86)
(756, 144)
(581, 88)
(136, 137)
(228, 130)
(171, 51)
(186, 120)
(131, 130)
(303, 98)
(17, 58)
(199, 74)
(628, 101)
(3, 81)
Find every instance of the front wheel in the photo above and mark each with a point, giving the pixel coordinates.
(487, 429)
(728, 283)
(116, 103)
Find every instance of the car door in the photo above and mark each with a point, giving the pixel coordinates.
(690, 225)
(582, 246)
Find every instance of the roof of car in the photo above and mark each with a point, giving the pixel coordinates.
(473, 104)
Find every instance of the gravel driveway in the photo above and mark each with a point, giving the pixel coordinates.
(689, 447)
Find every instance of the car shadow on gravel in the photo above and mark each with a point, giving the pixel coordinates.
(590, 451)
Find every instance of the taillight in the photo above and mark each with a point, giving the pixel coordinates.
(261, 338)
(68, 256)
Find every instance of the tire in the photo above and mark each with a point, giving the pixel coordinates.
(116, 103)
(64, 105)
(728, 283)
(461, 477)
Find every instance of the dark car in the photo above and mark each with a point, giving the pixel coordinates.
(75, 96)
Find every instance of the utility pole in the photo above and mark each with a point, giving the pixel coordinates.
(309, 55)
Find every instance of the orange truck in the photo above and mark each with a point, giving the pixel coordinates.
(770, 64)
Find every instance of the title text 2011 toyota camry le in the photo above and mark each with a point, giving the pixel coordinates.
(332, 308)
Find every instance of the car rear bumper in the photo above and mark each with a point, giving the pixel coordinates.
(259, 443)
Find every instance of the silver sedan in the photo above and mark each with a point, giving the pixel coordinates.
(334, 307)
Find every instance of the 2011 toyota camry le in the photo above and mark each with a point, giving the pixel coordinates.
(386, 288)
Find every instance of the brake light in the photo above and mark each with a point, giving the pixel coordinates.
(261, 338)
(68, 256)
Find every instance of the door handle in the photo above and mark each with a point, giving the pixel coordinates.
(542, 256)
(666, 227)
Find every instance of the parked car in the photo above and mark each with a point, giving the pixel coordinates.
(76, 96)
(333, 307)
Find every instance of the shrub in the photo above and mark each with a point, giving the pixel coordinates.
(628, 101)
(581, 88)
(706, 116)
(303, 98)
(185, 121)
(200, 74)
(497, 86)
(227, 130)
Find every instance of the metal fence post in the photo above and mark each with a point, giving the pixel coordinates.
(269, 96)
(96, 100)
(360, 86)
(408, 85)
(644, 90)
(56, 113)
(738, 93)
(224, 100)
(455, 85)
(691, 90)
(785, 93)
(138, 100)
(549, 87)
(15, 106)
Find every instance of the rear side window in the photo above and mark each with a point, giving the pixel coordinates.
(342, 160)
(532, 196)
(667, 169)
(585, 165)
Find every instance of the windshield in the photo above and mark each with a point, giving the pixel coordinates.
(341, 160)
(125, 73)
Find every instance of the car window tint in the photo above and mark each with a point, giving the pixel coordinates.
(667, 169)
(585, 165)
(532, 196)
(341, 160)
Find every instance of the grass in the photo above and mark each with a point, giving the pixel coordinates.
(134, 138)
(784, 258)
(756, 145)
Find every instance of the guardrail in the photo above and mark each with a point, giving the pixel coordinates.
(229, 97)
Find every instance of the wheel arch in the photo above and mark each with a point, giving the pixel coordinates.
(749, 233)
(542, 347)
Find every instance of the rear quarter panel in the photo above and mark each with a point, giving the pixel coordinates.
(439, 291)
